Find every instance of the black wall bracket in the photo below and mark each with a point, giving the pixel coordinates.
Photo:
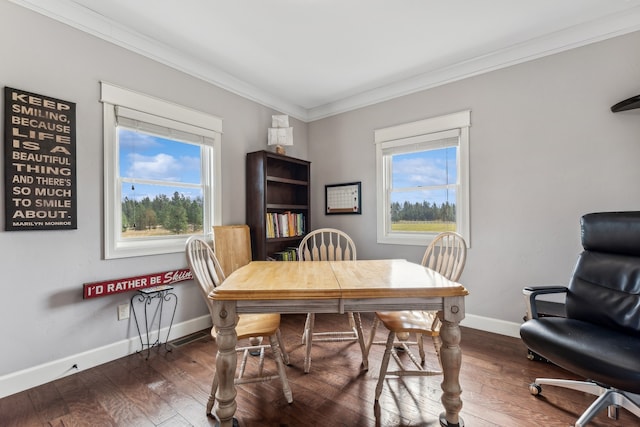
(627, 104)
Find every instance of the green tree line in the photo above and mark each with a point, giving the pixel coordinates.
(178, 214)
(424, 211)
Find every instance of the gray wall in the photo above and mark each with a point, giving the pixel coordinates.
(544, 149)
(42, 313)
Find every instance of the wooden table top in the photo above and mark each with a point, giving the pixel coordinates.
(282, 280)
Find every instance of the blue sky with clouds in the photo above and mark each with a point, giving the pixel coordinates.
(148, 157)
(421, 169)
(144, 156)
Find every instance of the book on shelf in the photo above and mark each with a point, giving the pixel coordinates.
(294, 252)
(289, 254)
(285, 224)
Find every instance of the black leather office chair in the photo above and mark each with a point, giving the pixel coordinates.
(599, 339)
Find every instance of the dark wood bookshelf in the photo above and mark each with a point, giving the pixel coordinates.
(275, 184)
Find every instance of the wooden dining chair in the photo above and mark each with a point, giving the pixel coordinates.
(208, 273)
(232, 246)
(329, 244)
(447, 255)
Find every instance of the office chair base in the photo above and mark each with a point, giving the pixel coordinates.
(609, 398)
(536, 357)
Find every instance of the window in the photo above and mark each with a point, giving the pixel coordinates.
(422, 173)
(161, 173)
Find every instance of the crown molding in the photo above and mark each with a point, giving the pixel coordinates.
(581, 35)
(72, 14)
(90, 22)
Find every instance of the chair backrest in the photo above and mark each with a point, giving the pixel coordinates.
(446, 254)
(605, 285)
(327, 244)
(204, 266)
(232, 246)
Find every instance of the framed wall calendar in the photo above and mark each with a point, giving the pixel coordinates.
(343, 198)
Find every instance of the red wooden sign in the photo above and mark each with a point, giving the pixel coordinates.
(110, 287)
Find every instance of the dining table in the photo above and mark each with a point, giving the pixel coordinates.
(337, 287)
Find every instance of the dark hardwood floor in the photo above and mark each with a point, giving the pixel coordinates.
(171, 389)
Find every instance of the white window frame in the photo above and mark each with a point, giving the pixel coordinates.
(161, 113)
(398, 138)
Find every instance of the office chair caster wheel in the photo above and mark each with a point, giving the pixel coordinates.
(535, 389)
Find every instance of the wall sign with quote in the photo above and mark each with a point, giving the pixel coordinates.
(39, 162)
(343, 198)
(110, 287)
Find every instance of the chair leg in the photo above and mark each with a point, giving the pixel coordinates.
(277, 355)
(352, 322)
(356, 333)
(372, 335)
(420, 344)
(308, 341)
(583, 386)
(305, 331)
(609, 398)
(285, 355)
(385, 364)
(437, 345)
(212, 396)
(435, 334)
(363, 347)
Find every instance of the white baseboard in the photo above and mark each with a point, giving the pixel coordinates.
(37, 375)
(488, 324)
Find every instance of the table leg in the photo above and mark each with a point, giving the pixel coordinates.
(225, 320)
(451, 358)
